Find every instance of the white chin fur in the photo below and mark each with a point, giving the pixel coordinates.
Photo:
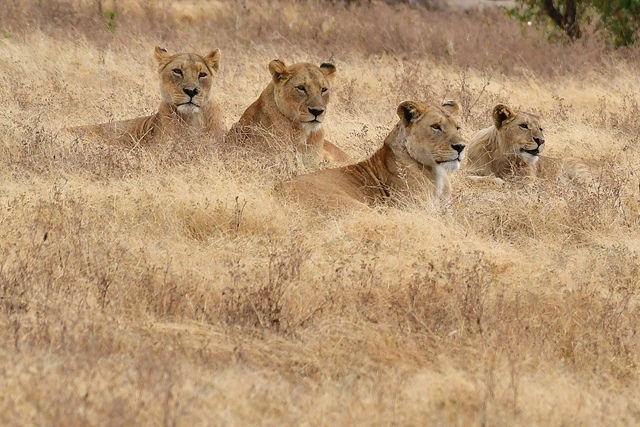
(188, 109)
(311, 127)
(529, 158)
(450, 166)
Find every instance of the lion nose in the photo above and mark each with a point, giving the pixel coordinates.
(315, 112)
(191, 92)
(458, 147)
(538, 141)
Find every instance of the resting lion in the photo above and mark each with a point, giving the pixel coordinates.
(417, 154)
(511, 147)
(186, 107)
(290, 110)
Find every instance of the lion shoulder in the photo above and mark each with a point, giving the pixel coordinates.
(479, 151)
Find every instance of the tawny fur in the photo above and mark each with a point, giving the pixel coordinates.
(281, 111)
(415, 157)
(500, 150)
(179, 115)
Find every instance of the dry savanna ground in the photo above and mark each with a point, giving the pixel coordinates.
(175, 287)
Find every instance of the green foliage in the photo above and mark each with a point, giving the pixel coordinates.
(619, 18)
(111, 19)
(529, 12)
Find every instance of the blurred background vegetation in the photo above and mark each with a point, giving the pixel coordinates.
(616, 20)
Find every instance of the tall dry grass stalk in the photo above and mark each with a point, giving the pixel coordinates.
(175, 287)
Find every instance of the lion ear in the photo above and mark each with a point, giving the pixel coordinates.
(328, 69)
(409, 112)
(162, 56)
(502, 115)
(213, 60)
(452, 107)
(278, 71)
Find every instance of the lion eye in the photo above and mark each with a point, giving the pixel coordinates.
(458, 128)
(524, 126)
(177, 72)
(541, 130)
(324, 89)
(301, 89)
(436, 128)
(202, 75)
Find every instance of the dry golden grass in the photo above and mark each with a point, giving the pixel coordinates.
(177, 289)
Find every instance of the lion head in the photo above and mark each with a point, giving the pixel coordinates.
(520, 133)
(432, 134)
(186, 78)
(302, 90)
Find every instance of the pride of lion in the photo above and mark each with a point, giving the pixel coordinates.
(416, 157)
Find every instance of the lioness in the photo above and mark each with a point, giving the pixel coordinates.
(291, 108)
(418, 153)
(186, 107)
(511, 147)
